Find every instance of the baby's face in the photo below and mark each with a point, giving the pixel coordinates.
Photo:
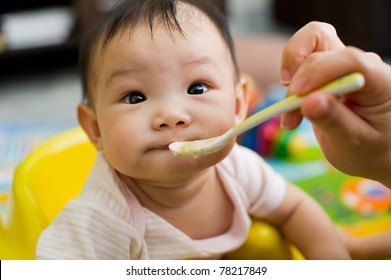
(152, 91)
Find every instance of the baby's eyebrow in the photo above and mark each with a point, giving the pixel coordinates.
(116, 73)
(124, 71)
(198, 61)
(205, 60)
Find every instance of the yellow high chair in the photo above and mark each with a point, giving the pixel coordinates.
(44, 182)
(55, 173)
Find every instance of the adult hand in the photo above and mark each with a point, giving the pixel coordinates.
(354, 131)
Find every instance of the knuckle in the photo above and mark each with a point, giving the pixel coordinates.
(323, 28)
(313, 58)
(367, 60)
(373, 57)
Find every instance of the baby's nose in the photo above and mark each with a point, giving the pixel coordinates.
(171, 118)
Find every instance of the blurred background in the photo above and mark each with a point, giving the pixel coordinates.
(39, 39)
(39, 84)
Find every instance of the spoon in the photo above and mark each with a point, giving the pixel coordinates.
(198, 148)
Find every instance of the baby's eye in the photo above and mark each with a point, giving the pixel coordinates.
(134, 98)
(197, 89)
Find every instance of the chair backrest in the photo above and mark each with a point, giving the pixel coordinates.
(44, 182)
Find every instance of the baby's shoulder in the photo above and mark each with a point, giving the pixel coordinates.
(98, 200)
(83, 229)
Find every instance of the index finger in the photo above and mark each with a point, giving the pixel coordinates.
(313, 37)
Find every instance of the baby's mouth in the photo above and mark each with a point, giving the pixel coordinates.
(164, 147)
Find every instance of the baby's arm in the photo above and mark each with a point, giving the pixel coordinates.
(306, 224)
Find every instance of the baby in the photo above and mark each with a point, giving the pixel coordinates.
(156, 72)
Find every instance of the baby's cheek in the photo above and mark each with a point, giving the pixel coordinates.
(119, 150)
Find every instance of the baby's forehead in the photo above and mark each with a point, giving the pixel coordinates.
(187, 18)
(190, 22)
(183, 24)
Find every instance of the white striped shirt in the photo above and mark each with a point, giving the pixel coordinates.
(106, 221)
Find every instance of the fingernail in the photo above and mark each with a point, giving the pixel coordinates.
(285, 76)
(284, 122)
(320, 108)
(299, 85)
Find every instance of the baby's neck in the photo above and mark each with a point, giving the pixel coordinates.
(188, 205)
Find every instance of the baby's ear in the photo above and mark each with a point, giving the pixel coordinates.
(87, 120)
(241, 96)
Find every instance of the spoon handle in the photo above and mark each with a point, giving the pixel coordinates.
(340, 86)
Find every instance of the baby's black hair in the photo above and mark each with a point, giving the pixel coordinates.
(129, 13)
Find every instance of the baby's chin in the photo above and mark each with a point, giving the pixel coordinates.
(180, 168)
(204, 162)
